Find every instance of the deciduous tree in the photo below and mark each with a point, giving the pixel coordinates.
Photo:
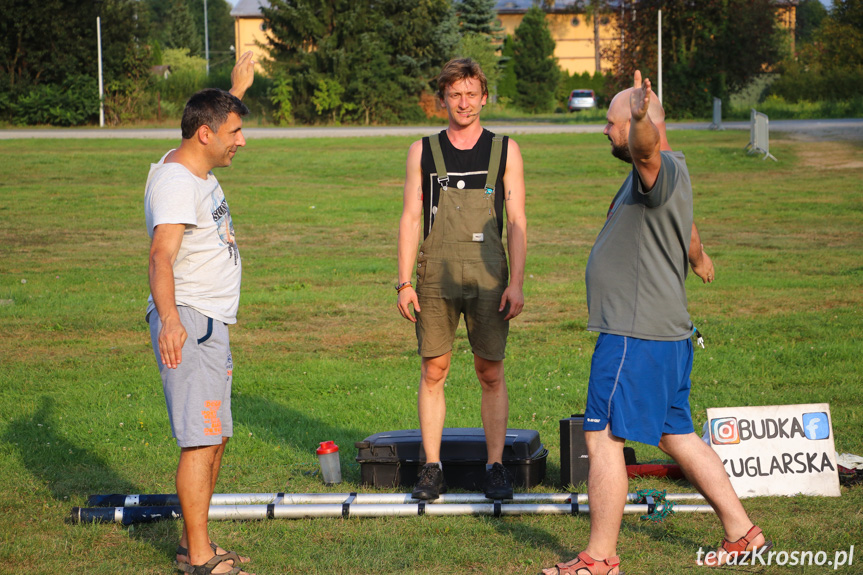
(479, 47)
(48, 47)
(710, 48)
(829, 67)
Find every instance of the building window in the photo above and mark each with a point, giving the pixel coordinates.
(576, 21)
(263, 26)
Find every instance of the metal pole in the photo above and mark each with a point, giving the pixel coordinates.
(206, 38)
(101, 85)
(659, 76)
(169, 499)
(129, 515)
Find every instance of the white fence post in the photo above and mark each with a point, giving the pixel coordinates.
(717, 114)
(759, 135)
(751, 143)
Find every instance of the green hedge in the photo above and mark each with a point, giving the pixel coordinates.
(74, 103)
(839, 84)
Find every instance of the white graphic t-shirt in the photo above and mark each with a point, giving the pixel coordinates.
(208, 270)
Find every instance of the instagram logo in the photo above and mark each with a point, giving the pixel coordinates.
(724, 431)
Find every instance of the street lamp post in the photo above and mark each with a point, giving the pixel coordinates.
(659, 50)
(98, 4)
(206, 38)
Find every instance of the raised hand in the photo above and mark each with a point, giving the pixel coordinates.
(242, 75)
(639, 98)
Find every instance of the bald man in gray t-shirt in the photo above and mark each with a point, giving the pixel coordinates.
(639, 374)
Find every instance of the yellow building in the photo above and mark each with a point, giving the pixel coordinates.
(573, 34)
(250, 30)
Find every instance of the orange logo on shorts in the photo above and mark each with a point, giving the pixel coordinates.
(212, 423)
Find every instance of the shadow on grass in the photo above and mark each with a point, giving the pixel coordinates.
(72, 473)
(273, 422)
(571, 539)
(67, 470)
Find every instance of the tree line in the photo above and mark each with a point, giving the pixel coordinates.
(714, 48)
(48, 54)
(374, 61)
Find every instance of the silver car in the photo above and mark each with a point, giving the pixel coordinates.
(581, 100)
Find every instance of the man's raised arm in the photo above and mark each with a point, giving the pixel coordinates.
(644, 140)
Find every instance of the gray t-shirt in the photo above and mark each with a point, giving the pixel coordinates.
(637, 268)
(208, 270)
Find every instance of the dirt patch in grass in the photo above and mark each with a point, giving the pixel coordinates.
(830, 156)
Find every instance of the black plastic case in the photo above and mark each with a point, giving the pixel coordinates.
(393, 458)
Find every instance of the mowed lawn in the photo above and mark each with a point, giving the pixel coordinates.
(321, 352)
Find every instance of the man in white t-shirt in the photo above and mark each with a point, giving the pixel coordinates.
(195, 272)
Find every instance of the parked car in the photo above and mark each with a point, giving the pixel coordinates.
(581, 100)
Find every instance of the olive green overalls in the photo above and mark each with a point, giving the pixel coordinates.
(461, 267)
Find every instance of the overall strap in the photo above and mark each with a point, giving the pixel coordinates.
(439, 165)
(494, 163)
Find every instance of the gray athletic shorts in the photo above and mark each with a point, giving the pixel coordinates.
(198, 391)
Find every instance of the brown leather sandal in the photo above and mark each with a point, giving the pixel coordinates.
(207, 568)
(736, 552)
(584, 564)
(183, 551)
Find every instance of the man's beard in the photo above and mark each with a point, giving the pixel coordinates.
(621, 152)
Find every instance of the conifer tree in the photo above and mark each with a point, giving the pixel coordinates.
(506, 85)
(181, 31)
(536, 69)
(478, 16)
(382, 54)
(479, 31)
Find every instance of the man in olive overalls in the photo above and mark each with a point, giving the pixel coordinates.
(459, 183)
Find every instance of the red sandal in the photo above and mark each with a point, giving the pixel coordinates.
(584, 564)
(736, 552)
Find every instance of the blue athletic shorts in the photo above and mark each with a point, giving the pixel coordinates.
(641, 387)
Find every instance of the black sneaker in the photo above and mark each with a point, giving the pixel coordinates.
(498, 483)
(430, 482)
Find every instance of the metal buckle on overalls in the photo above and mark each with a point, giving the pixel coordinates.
(443, 182)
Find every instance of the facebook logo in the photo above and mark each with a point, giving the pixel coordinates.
(816, 425)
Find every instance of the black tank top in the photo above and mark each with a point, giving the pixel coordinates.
(468, 166)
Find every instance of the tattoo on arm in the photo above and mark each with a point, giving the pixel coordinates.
(509, 195)
(420, 193)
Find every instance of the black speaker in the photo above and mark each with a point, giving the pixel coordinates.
(574, 462)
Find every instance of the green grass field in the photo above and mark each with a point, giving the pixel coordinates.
(321, 352)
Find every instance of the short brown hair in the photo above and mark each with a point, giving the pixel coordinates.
(460, 69)
(209, 107)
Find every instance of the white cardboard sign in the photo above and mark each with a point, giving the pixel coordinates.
(776, 449)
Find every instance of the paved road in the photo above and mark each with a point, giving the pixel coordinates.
(848, 129)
